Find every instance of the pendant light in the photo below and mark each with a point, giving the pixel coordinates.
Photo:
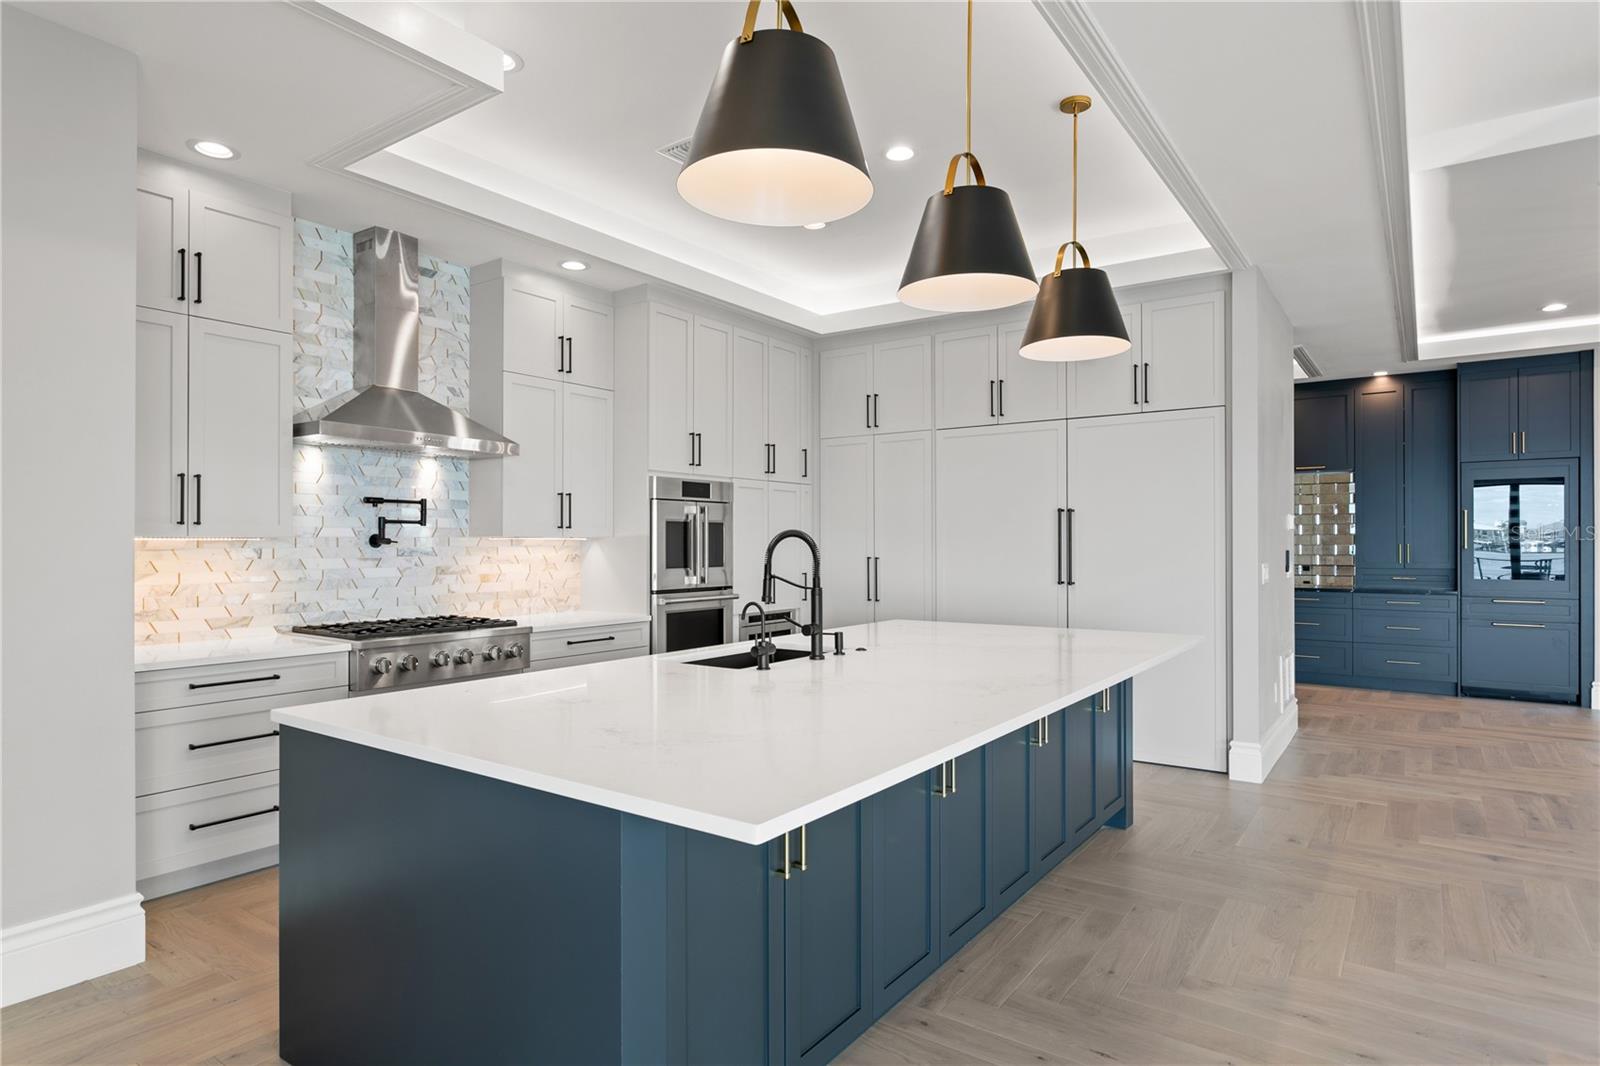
(968, 254)
(776, 144)
(1076, 315)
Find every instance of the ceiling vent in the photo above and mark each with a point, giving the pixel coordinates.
(1302, 359)
(677, 151)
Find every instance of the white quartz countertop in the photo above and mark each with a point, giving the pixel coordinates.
(748, 754)
(270, 645)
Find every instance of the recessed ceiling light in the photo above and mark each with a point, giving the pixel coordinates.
(574, 264)
(1380, 373)
(510, 62)
(213, 149)
(815, 225)
(1548, 308)
(899, 153)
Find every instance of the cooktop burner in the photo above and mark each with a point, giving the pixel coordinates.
(404, 627)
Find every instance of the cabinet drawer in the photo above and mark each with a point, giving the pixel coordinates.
(563, 643)
(1520, 656)
(1320, 598)
(1411, 579)
(1321, 623)
(1402, 600)
(584, 660)
(190, 826)
(191, 686)
(1519, 609)
(183, 746)
(1405, 626)
(1407, 661)
(1316, 657)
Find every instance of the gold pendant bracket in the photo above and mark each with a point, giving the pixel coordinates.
(785, 12)
(1077, 249)
(950, 174)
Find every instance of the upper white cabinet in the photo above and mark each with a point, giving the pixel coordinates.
(546, 328)
(212, 250)
(1001, 524)
(1178, 361)
(763, 509)
(539, 349)
(691, 381)
(882, 388)
(768, 408)
(213, 452)
(877, 526)
(981, 378)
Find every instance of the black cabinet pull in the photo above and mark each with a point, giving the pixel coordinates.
(560, 516)
(569, 355)
(1070, 514)
(561, 353)
(869, 410)
(1061, 515)
(199, 277)
(197, 478)
(1136, 384)
(869, 579)
(1147, 383)
(991, 397)
(1002, 397)
(593, 640)
(235, 740)
(183, 273)
(875, 412)
(569, 510)
(183, 497)
(235, 681)
(805, 462)
(877, 580)
(236, 818)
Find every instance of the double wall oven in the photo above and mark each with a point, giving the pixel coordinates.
(691, 564)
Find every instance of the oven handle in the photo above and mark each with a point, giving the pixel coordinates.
(690, 555)
(705, 549)
(669, 599)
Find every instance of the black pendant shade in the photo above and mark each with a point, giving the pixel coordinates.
(776, 144)
(969, 254)
(1075, 317)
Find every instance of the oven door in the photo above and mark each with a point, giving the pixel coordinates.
(690, 545)
(681, 621)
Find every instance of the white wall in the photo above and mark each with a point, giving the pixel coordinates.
(1261, 455)
(67, 905)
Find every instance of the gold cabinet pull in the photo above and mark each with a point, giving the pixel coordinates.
(1524, 442)
(1464, 545)
(783, 866)
(1531, 603)
(1402, 662)
(1408, 553)
(801, 865)
(1407, 629)
(1517, 625)
(952, 777)
(1105, 701)
(947, 779)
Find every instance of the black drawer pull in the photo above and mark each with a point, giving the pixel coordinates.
(236, 818)
(235, 681)
(593, 640)
(235, 740)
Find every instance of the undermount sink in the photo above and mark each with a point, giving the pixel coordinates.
(743, 660)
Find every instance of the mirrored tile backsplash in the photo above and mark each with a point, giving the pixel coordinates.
(1325, 529)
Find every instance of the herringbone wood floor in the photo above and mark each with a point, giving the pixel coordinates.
(1419, 882)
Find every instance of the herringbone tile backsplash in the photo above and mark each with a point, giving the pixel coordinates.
(197, 590)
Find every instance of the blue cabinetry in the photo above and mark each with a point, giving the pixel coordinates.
(1522, 408)
(1404, 479)
(1430, 487)
(826, 998)
(965, 897)
(1323, 429)
(1380, 508)
(1010, 816)
(908, 879)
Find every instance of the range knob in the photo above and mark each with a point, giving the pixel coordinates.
(465, 656)
(514, 652)
(440, 658)
(409, 662)
(381, 666)
(493, 653)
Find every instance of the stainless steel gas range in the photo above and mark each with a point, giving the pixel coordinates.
(408, 652)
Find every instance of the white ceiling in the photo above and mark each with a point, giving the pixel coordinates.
(1503, 118)
(604, 85)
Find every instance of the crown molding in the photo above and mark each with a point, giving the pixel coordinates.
(1078, 30)
(1382, 62)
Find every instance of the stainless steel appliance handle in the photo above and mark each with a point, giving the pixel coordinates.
(705, 545)
(689, 554)
(670, 600)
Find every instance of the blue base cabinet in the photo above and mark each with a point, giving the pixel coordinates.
(549, 930)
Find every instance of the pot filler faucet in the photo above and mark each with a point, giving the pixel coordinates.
(769, 592)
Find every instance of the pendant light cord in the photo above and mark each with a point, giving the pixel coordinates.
(969, 92)
(1075, 177)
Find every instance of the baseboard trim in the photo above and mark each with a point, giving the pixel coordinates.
(1594, 696)
(63, 949)
(1252, 762)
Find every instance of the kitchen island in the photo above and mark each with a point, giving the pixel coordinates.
(654, 861)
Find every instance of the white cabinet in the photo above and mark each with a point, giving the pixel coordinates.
(211, 255)
(690, 404)
(981, 378)
(213, 452)
(768, 408)
(1109, 386)
(884, 388)
(559, 485)
(1001, 524)
(762, 510)
(542, 327)
(1149, 551)
(877, 527)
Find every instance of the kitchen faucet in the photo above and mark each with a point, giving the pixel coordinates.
(763, 649)
(769, 592)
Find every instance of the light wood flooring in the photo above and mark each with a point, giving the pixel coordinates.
(1419, 882)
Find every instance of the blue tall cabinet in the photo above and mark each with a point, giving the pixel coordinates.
(1469, 488)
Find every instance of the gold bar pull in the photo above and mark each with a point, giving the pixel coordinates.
(944, 788)
(952, 777)
(1105, 701)
(783, 867)
(1464, 545)
(1524, 442)
(801, 865)
(1037, 740)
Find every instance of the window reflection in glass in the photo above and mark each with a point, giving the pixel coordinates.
(1519, 529)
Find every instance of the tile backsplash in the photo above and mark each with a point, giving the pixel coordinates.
(197, 590)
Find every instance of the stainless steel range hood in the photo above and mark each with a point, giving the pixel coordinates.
(385, 410)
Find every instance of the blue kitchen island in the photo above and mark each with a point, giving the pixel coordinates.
(653, 861)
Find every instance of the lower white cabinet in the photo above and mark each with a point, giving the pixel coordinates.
(190, 828)
(1001, 524)
(877, 527)
(559, 485)
(553, 649)
(762, 510)
(213, 445)
(1149, 552)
